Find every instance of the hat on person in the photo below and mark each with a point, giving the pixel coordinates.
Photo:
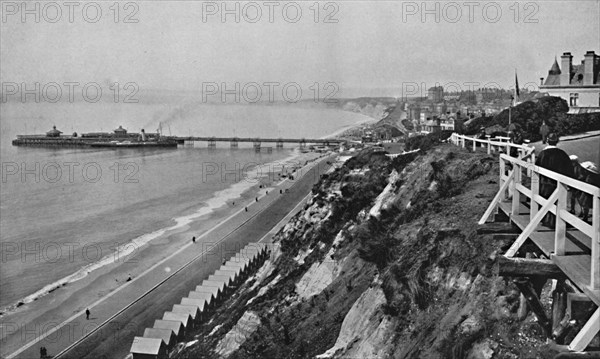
(590, 166)
(552, 138)
(574, 157)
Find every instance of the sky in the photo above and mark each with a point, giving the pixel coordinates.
(364, 48)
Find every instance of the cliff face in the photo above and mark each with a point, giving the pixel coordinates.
(369, 107)
(383, 262)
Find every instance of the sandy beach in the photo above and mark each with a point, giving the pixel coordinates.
(46, 313)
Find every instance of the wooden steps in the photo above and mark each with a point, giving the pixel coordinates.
(576, 262)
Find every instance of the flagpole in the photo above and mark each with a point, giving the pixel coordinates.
(514, 97)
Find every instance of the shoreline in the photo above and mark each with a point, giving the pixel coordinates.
(208, 214)
(215, 206)
(208, 208)
(66, 299)
(19, 342)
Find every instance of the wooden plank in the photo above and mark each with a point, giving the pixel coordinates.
(494, 228)
(576, 222)
(571, 182)
(587, 333)
(497, 199)
(525, 267)
(545, 241)
(577, 269)
(560, 235)
(595, 239)
(516, 194)
(531, 226)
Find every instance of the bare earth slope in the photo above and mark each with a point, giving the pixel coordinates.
(383, 262)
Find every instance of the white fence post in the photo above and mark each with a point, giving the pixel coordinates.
(561, 225)
(595, 282)
(516, 195)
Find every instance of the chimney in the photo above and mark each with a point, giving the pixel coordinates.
(566, 65)
(541, 81)
(143, 135)
(590, 68)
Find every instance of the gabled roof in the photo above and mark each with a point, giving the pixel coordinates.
(232, 274)
(175, 326)
(201, 304)
(184, 318)
(221, 278)
(54, 131)
(192, 310)
(143, 345)
(166, 335)
(207, 297)
(212, 290)
(552, 80)
(555, 69)
(578, 75)
(215, 283)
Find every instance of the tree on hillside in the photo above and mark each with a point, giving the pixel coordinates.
(529, 116)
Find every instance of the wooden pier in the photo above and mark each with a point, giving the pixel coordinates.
(571, 246)
(257, 143)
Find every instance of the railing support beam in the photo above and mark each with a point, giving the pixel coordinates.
(561, 226)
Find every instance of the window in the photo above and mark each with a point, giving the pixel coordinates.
(574, 99)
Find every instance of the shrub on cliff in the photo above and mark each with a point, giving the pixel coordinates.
(569, 124)
(425, 142)
(529, 116)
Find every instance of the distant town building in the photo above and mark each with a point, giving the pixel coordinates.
(432, 126)
(579, 85)
(452, 97)
(425, 115)
(414, 112)
(435, 94)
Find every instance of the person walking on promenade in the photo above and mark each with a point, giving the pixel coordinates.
(544, 131)
(517, 139)
(578, 174)
(194, 239)
(556, 160)
(589, 175)
(87, 314)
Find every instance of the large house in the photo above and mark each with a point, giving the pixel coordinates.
(579, 85)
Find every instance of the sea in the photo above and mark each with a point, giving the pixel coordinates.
(65, 212)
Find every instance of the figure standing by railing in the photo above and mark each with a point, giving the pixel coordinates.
(544, 131)
(557, 160)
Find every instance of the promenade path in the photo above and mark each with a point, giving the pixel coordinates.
(586, 146)
(125, 312)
